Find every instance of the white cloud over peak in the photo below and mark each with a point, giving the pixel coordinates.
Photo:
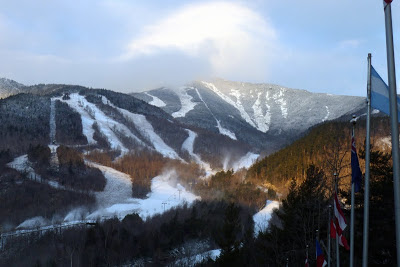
(230, 36)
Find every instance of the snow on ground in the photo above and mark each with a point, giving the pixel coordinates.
(156, 101)
(147, 130)
(225, 131)
(118, 186)
(188, 146)
(221, 130)
(23, 165)
(116, 199)
(246, 161)
(262, 120)
(186, 102)
(280, 100)
(197, 259)
(91, 114)
(327, 114)
(238, 105)
(261, 218)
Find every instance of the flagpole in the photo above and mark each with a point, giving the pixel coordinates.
(352, 208)
(367, 162)
(337, 236)
(329, 235)
(394, 122)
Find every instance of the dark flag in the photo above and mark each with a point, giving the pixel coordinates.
(356, 174)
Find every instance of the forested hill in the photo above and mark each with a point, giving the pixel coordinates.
(326, 145)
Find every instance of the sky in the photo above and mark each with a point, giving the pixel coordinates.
(132, 46)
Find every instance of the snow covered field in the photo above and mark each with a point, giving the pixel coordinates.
(116, 199)
(261, 218)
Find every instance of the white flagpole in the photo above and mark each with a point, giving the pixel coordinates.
(394, 122)
(367, 174)
(352, 207)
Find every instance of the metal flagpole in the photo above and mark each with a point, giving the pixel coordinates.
(337, 236)
(329, 235)
(352, 208)
(367, 162)
(394, 122)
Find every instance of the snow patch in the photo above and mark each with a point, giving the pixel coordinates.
(327, 114)
(280, 100)
(156, 101)
(262, 121)
(186, 102)
(197, 259)
(261, 218)
(238, 105)
(188, 145)
(116, 199)
(225, 131)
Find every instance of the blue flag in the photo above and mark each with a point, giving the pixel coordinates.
(356, 174)
(380, 94)
(321, 262)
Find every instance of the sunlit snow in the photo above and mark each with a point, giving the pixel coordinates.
(261, 218)
(156, 101)
(262, 120)
(116, 199)
(188, 146)
(238, 105)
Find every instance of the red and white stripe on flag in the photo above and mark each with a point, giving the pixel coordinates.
(335, 230)
(340, 220)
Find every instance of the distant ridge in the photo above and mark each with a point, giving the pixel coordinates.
(10, 87)
(265, 116)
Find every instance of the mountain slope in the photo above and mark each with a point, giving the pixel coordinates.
(9, 87)
(265, 116)
(96, 118)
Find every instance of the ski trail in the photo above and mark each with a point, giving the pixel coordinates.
(188, 146)
(90, 114)
(118, 186)
(147, 130)
(52, 121)
(156, 101)
(220, 128)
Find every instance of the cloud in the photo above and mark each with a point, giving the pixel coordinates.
(230, 36)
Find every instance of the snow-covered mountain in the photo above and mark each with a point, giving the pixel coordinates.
(265, 116)
(93, 118)
(10, 87)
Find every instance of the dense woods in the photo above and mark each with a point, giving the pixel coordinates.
(68, 125)
(24, 121)
(160, 240)
(22, 198)
(326, 146)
